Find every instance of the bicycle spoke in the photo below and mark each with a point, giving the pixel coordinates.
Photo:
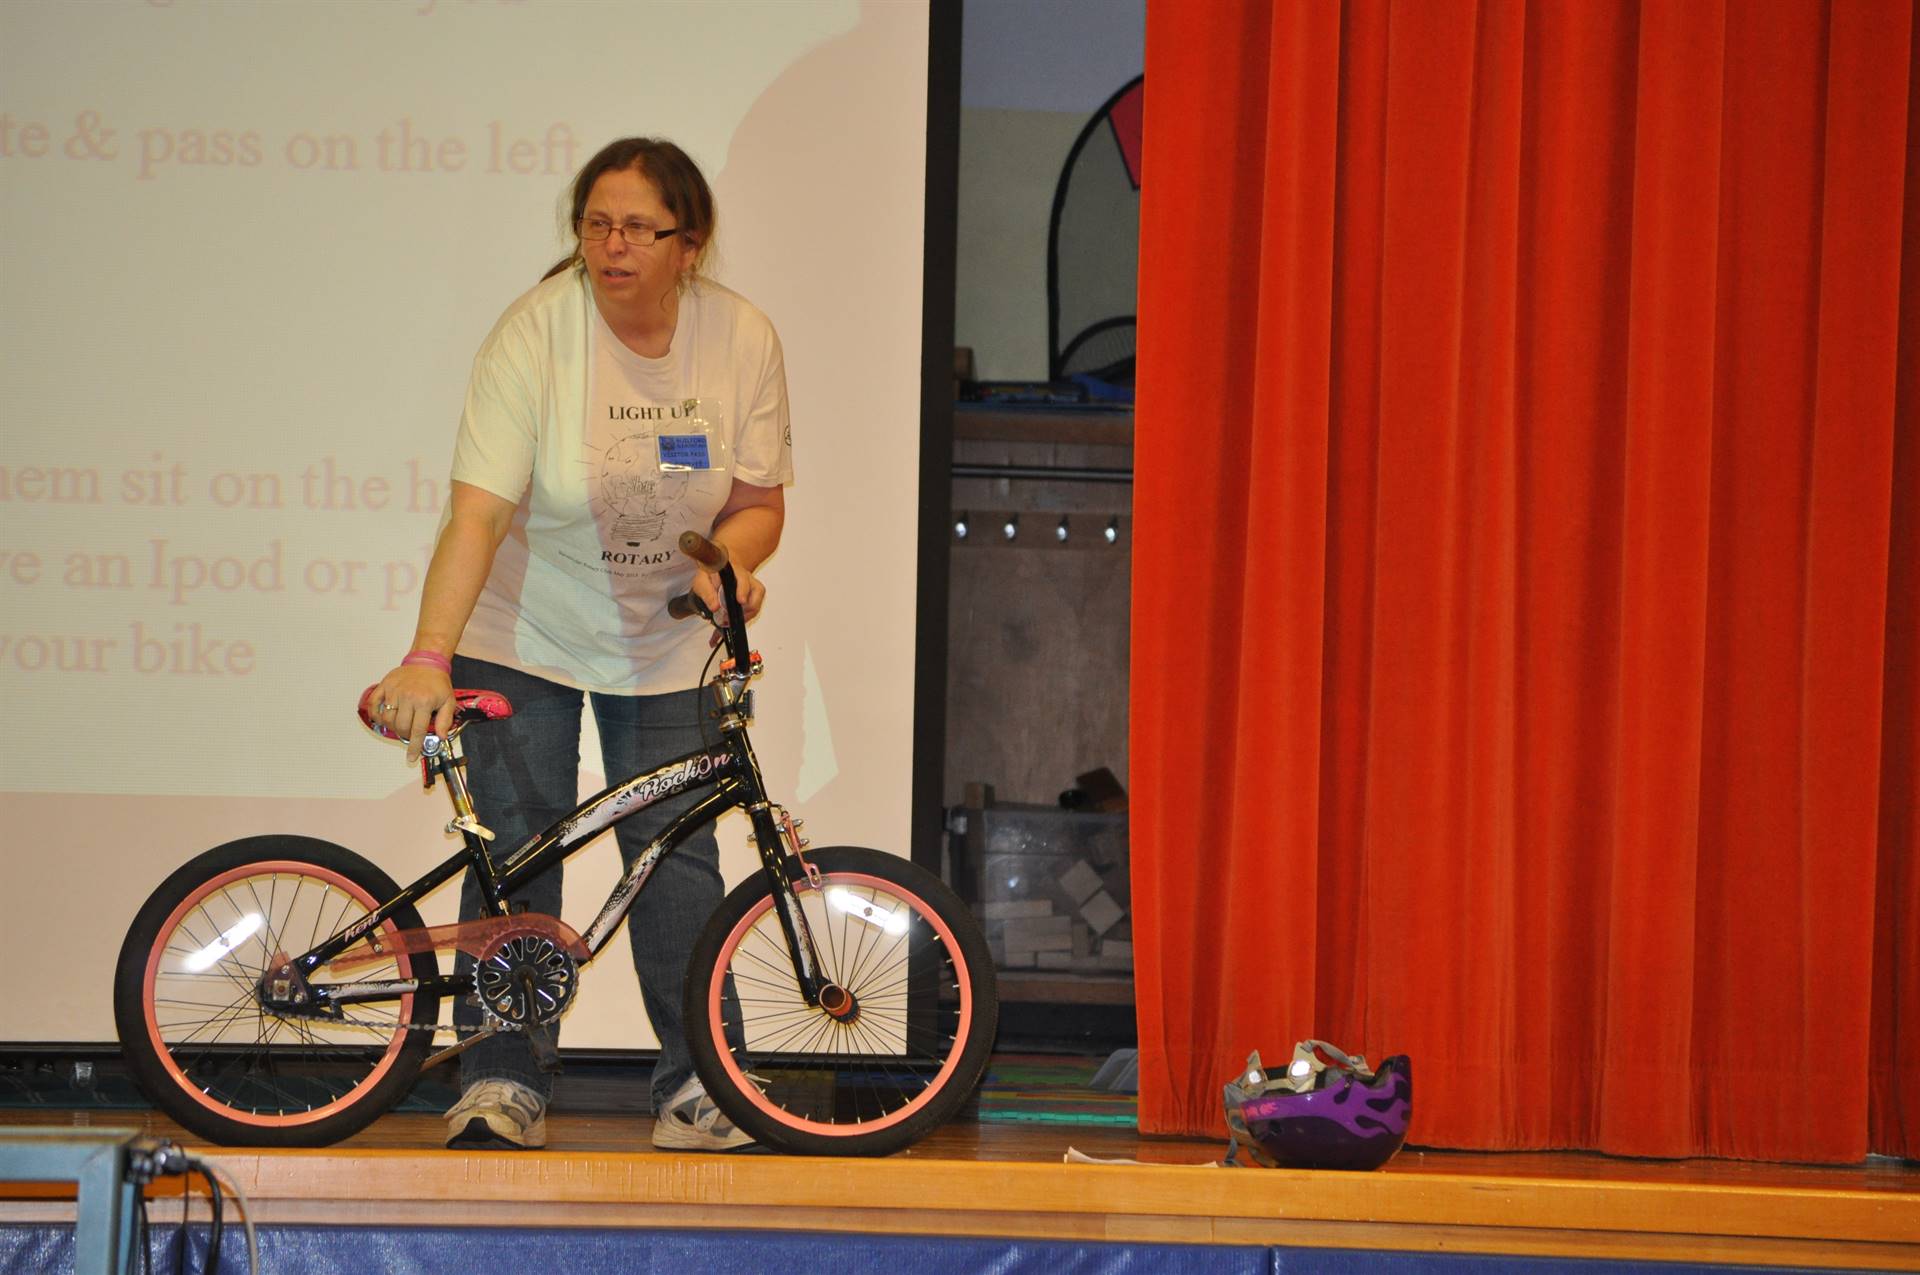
(220, 1022)
(777, 1033)
(822, 1030)
(239, 977)
(859, 970)
(782, 968)
(787, 1037)
(269, 931)
(850, 969)
(339, 922)
(193, 1027)
(778, 990)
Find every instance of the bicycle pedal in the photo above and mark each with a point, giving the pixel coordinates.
(546, 1054)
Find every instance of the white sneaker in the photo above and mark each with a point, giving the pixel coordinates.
(689, 1121)
(498, 1114)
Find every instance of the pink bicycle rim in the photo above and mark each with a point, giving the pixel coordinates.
(937, 1085)
(165, 1054)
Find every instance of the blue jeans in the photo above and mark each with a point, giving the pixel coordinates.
(524, 774)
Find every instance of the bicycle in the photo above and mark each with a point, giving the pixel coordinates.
(282, 991)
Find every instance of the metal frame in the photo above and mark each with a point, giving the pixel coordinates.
(109, 1201)
(729, 768)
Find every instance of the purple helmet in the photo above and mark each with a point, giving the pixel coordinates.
(1328, 1111)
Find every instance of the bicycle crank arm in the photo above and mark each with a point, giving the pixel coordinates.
(461, 1047)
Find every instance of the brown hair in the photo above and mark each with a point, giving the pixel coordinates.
(682, 186)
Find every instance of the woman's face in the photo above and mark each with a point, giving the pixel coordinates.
(625, 277)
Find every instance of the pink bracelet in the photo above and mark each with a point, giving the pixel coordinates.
(429, 659)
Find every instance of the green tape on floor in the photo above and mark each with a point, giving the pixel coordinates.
(1118, 1119)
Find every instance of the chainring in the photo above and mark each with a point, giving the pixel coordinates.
(525, 979)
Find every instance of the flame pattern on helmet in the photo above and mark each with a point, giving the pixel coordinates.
(1326, 1115)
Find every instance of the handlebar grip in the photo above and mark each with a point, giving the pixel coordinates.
(714, 558)
(703, 551)
(688, 604)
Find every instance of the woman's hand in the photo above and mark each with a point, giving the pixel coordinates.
(413, 700)
(706, 586)
(748, 526)
(417, 698)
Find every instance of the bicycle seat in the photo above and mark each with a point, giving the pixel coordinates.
(475, 706)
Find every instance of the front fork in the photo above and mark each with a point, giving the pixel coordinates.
(783, 860)
(776, 835)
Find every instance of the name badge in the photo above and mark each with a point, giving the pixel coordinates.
(684, 452)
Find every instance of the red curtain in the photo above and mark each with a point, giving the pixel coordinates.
(1526, 555)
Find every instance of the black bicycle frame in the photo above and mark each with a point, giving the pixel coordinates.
(729, 768)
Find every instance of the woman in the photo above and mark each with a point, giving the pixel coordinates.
(625, 399)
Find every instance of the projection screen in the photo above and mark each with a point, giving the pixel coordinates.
(249, 250)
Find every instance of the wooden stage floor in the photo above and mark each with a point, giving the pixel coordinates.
(1008, 1179)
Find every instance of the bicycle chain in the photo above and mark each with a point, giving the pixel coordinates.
(498, 1025)
(491, 1020)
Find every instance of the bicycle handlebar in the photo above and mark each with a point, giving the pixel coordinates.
(687, 604)
(714, 557)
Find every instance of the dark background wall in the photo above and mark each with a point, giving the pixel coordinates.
(1037, 656)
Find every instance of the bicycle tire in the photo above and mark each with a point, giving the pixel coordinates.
(799, 1081)
(196, 1038)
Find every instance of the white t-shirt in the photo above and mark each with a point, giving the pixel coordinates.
(610, 456)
